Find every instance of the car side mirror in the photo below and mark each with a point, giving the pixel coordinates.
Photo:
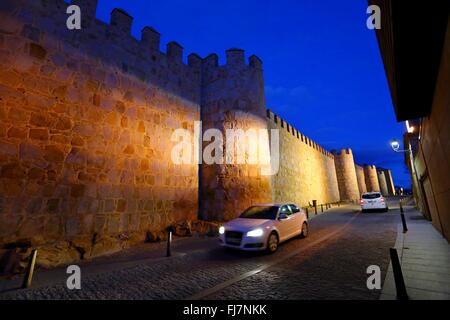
(282, 216)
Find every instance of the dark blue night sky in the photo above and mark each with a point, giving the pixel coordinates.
(323, 70)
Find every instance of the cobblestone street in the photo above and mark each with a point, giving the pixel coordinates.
(330, 264)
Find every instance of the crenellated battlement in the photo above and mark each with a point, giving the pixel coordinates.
(117, 34)
(283, 124)
(344, 152)
(235, 58)
(113, 45)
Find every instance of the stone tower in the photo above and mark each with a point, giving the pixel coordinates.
(361, 179)
(370, 173)
(232, 98)
(382, 182)
(389, 182)
(346, 175)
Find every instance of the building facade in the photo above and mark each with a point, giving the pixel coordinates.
(417, 66)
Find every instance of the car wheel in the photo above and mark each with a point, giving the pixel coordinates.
(305, 230)
(272, 242)
(387, 209)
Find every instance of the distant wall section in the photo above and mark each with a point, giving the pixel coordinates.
(307, 171)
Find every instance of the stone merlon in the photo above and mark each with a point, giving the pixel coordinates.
(175, 51)
(235, 57)
(150, 38)
(88, 9)
(121, 21)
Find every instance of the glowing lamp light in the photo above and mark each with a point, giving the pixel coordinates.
(409, 128)
(395, 145)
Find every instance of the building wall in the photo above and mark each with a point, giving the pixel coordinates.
(346, 175)
(433, 160)
(361, 179)
(370, 173)
(307, 171)
(86, 119)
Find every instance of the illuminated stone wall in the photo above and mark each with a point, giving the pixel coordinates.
(307, 171)
(233, 99)
(86, 119)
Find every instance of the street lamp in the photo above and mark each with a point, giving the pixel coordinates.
(396, 146)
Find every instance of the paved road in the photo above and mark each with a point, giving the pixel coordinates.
(330, 264)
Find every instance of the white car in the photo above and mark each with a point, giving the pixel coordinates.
(263, 227)
(373, 201)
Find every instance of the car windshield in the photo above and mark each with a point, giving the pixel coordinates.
(371, 196)
(260, 212)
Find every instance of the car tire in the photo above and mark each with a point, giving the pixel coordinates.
(305, 230)
(387, 209)
(272, 242)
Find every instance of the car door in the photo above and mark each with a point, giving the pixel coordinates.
(284, 225)
(296, 220)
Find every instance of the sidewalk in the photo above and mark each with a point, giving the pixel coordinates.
(425, 260)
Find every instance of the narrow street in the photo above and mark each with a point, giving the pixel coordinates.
(330, 264)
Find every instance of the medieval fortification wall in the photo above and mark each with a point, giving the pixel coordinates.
(86, 119)
(307, 171)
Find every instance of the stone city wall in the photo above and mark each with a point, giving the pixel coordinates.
(307, 171)
(86, 119)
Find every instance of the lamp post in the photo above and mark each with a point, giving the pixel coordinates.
(396, 147)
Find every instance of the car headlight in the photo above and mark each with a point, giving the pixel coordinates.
(222, 230)
(255, 233)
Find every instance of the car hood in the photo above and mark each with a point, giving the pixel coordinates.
(246, 224)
